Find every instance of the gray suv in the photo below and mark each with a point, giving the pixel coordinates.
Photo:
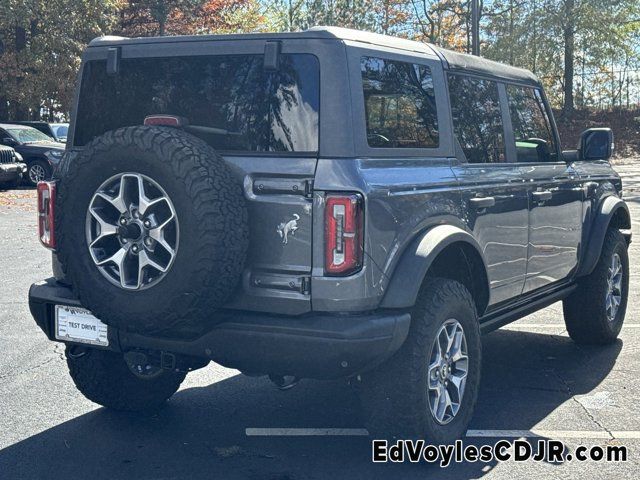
(323, 204)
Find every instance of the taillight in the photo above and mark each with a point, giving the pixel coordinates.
(46, 211)
(343, 227)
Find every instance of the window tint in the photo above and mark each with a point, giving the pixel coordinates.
(399, 104)
(531, 127)
(229, 101)
(477, 120)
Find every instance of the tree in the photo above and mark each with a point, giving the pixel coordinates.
(186, 17)
(295, 15)
(556, 38)
(42, 42)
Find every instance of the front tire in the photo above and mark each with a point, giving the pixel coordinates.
(105, 378)
(399, 397)
(594, 312)
(38, 170)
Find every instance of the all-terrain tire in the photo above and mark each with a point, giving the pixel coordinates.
(212, 219)
(394, 396)
(585, 313)
(105, 378)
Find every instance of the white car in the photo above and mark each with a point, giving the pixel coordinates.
(60, 131)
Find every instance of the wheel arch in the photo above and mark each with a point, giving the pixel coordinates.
(444, 251)
(612, 212)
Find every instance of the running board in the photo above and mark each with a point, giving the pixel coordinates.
(500, 318)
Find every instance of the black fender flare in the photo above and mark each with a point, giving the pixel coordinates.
(410, 271)
(610, 207)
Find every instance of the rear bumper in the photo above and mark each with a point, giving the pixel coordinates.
(312, 346)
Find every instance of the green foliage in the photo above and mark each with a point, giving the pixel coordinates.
(583, 49)
(41, 46)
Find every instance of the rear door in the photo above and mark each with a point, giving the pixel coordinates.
(555, 191)
(263, 118)
(493, 192)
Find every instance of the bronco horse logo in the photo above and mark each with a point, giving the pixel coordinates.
(288, 228)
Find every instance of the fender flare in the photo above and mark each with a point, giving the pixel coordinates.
(411, 269)
(608, 208)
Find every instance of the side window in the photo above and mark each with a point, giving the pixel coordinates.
(477, 120)
(531, 126)
(400, 104)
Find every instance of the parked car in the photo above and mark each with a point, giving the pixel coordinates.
(60, 131)
(11, 168)
(323, 204)
(40, 152)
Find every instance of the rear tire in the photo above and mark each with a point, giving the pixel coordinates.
(397, 397)
(586, 315)
(105, 378)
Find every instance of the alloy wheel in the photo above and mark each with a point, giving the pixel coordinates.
(132, 231)
(37, 173)
(447, 371)
(614, 287)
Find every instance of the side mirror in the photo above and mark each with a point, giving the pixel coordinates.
(596, 144)
(9, 142)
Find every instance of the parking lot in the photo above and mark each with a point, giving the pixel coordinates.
(536, 382)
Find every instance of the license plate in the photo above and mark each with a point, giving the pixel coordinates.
(78, 325)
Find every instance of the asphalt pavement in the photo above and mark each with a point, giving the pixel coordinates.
(536, 382)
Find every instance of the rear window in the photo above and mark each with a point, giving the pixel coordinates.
(229, 100)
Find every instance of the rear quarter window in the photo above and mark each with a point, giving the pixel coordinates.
(399, 105)
(229, 100)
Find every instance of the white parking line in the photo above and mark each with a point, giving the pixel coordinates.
(596, 434)
(305, 432)
(362, 432)
(554, 325)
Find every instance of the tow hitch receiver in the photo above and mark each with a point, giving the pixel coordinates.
(139, 360)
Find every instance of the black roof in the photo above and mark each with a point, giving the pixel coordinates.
(454, 60)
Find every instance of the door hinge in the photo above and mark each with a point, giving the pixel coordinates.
(308, 188)
(282, 282)
(305, 285)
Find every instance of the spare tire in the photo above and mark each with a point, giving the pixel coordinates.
(151, 230)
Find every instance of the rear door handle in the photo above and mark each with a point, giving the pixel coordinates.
(482, 202)
(542, 195)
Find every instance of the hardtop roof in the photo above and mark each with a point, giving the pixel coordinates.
(454, 61)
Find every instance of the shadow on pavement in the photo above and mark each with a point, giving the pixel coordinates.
(200, 433)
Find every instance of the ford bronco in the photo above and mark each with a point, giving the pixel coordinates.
(323, 204)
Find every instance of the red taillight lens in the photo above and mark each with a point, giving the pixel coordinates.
(343, 227)
(46, 211)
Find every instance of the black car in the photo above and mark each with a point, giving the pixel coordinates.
(12, 168)
(40, 152)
